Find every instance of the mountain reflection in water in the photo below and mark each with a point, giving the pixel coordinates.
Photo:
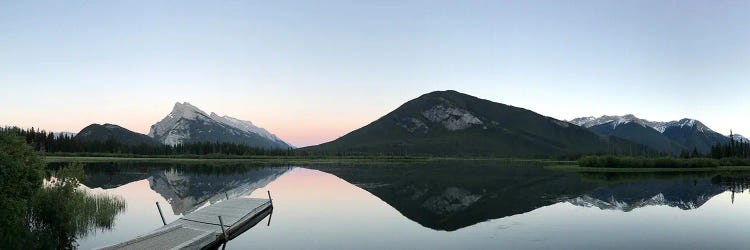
(186, 188)
(455, 204)
(452, 195)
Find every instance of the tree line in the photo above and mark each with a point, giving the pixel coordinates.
(49, 142)
(733, 149)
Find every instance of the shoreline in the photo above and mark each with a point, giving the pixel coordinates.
(577, 168)
(283, 159)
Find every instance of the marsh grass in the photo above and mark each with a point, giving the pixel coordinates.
(60, 212)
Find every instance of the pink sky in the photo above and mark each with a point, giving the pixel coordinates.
(304, 126)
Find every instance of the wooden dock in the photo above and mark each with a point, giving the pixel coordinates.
(203, 228)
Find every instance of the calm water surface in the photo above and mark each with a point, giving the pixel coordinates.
(449, 205)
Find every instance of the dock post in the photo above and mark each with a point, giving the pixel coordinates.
(221, 224)
(269, 196)
(161, 214)
(269, 218)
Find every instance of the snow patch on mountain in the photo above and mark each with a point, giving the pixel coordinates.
(613, 121)
(687, 123)
(451, 117)
(412, 124)
(246, 126)
(170, 125)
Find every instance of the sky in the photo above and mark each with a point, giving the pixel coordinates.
(311, 71)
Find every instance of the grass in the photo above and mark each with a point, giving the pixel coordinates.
(615, 164)
(577, 168)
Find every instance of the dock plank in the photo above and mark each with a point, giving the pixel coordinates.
(201, 227)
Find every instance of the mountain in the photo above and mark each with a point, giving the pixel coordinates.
(105, 132)
(188, 124)
(693, 134)
(673, 136)
(740, 138)
(453, 123)
(631, 128)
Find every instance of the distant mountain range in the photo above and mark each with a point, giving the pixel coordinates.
(672, 137)
(453, 123)
(187, 124)
(442, 123)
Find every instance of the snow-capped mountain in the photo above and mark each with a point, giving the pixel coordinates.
(686, 133)
(613, 121)
(616, 120)
(188, 124)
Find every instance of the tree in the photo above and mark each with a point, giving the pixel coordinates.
(21, 175)
(695, 153)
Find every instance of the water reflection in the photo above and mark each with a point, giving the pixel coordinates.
(465, 205)
(60, 213)
(453, 195)
(186, 188)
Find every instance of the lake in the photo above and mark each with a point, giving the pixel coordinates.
(436, 205)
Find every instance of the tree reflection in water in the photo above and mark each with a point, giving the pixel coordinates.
(60, 213)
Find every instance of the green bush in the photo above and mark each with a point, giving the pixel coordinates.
(37, 216)
(732, 161)
(21, 176)
(643, 162)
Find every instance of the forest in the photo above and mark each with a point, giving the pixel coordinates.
(51, 143)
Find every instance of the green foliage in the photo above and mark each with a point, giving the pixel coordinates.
(733, 149)
(33, 216)
(734, 161)
(61, 213)
(644, 162)
(21, 175)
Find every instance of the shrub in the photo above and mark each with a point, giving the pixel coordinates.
(643, 162)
